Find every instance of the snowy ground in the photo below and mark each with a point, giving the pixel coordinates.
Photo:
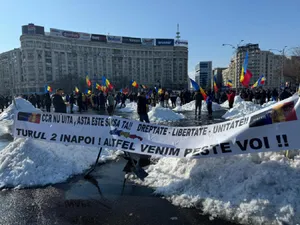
(159, 114)
(255, 188)
(27, 163)
(191, 106)
(249, 189)
(237, 99)
(243, 108)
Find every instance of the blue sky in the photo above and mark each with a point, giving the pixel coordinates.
(205, 24)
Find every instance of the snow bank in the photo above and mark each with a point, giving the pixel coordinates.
(249, 189)
(160, 114)
(130, 107)
(237, 99)
(244, 108)
(27, 163)
(191, 107)
(21, 103)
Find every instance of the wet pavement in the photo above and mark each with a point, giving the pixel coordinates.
(104, 198)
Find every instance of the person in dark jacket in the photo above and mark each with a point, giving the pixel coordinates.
(32, 100)
(79, 102)
(2, 103)
(285, 94)
(198, 102)
(230, 97)
(274, 95)
(58, 102)
(209, 103)
(72, 102)
(47, 101)
(142, 108)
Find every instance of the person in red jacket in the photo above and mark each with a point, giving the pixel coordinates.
(230, 96)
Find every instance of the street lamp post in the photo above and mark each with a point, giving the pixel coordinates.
(282, 61)
(235, 52)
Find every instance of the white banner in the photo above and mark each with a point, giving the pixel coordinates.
(114, 39)
(271, 129)
(148, 41)
(182, 43)
(70, 34)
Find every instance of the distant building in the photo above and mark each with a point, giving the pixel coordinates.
(259, 63)
(203, 74)
(217, 72)
(62, 58)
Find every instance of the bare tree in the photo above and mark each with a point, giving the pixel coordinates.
(292, 66)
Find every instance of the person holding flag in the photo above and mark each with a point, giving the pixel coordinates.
(198, 97)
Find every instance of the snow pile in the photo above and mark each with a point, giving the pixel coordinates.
(249, 189)
(237, 100)
(130, 107)
(160, 114)
(191, 107)
(27, 163)
(244, 108)
(22, 104)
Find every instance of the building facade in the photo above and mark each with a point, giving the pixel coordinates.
(203, 74)
(63, 58)
(218, 73)
(259, 63)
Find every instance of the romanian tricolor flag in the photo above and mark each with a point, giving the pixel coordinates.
(105, 82)
(160, 91)
(204, 95)
(261, 81)
(134, 84)
(229, 83)
(144, 87)
(104, 88)
(98, 86)
(48, 89)
(88, 82)
(245, 74)
(215, 84)
(76, 90)
(88, 91)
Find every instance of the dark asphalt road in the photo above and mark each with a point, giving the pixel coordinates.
(98, 201)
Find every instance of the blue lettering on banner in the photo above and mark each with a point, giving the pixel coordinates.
(117, 39)
(164, 42)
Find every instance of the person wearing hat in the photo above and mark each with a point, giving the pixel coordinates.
(58, 102)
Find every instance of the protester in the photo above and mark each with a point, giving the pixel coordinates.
(198, 101)
(142, 108)
(47, 102)
(209, 103)
(285, 94)
(32, 100)
(58, 102)
(72, 102)
(111, 103)
(123, 100)
(230, 96)
(274, 95)
(2, 103)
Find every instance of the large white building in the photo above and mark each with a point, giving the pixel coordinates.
(63, 58)
(203, 75)
(259, 63)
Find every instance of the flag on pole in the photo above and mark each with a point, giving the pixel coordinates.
(245, 74)
(229, 83)
(215, 84)
(98, 86)
(261, 81)
(195, 85)
(134, 84)
(48, 89)
(144, 87)
(204, 95)
(88, 82)
(105, 82)
(76, 90)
